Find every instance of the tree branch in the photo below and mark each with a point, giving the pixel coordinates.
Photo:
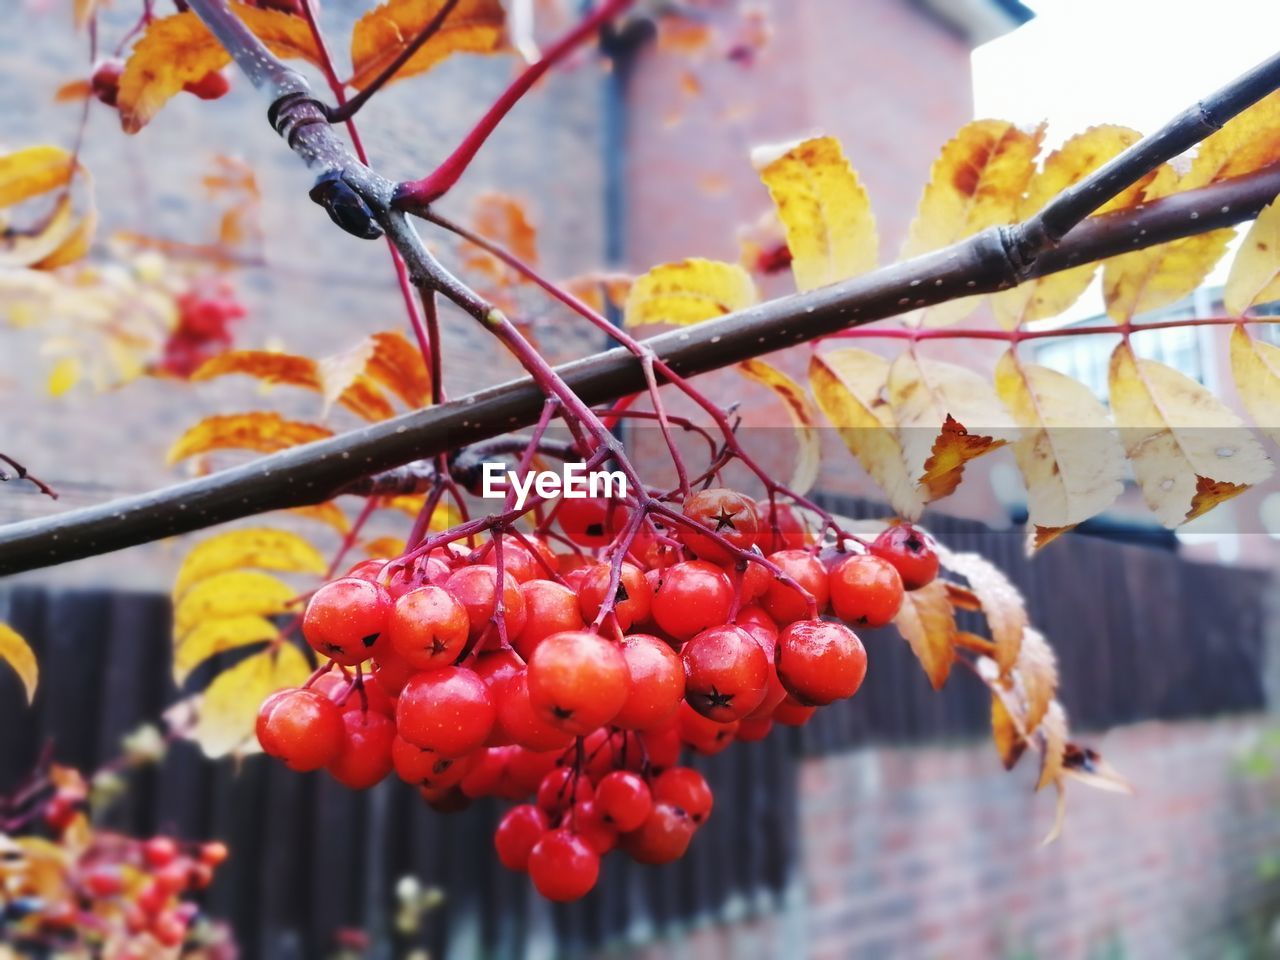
(315, 472)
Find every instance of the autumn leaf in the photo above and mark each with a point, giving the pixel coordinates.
(1255, 366)
(1053, 737)
(1255, 272)
(946, 415)
(1087, 766)
(1067, 449)
(824, 209)
(258, 548)
(33, 171)
(211, 637)
(1008, 739)
(328, 513)
(234, 593)
(1002, 604)
(398, 365)
(179, 49)
(382, 34)
(848, 386)
(229, 708)
(977, 182)
(1144, 280)
(74, 245)
(927, 622)
(263, 431)
(1048, 296)
(688, 292)
(64, 375)
(15, 651)
(382, 547)
(1248, 141)
(792, 395)
(1036, 671)
(265, 365)
(502, 220)
(45, 242)
(1189, 450)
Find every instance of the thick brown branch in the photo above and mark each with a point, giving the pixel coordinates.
(318, 471)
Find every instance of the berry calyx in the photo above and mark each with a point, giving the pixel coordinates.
(729, 515)
(912, 552)
(428, 628)
(346, 618)
(726, 673)
(578, 680)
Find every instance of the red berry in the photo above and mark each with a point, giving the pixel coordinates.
(687, 789)
(865, 590)
(911, 551)
(169, 929)
(485, 774)
(632, 597)
(365, 759)
(590, 521)
(475, 589)
(563, 866)
(346, 618)
(726, 673)
(657, 683)
(753, 580)
(521, 723)
(392, 671)
(623, 799)
(518, 833)
(62, 809)
(426, 768)
(175, 877)
(706, 736)
(370, 570)
(561, 789)
(587, 821)
(302, 728)
(792, 713)
(365, 692)
(428, 628)
(160, 851)
(819, 662)
(784, 602)
(103, 881)
(663, 837)
(728, 514)
(214, 854)
(578, 680)
(105, 82)
(211, 86)
(751, 729)
(662, 746)
(693, 595)
(550, 608)
(526, 768)
(448, 711)
(783, 527)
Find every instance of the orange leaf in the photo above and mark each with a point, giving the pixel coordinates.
(383, 547)
(179, 49)
(502, 219)
(1001, 602)
(73, 91)
(263, 365)
(953, 448)
(928, 623)
(328, 513)
(263, 432)
(398, 365)
(382, 34)
(1004, 731)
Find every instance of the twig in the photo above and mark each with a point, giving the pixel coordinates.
(22, 473)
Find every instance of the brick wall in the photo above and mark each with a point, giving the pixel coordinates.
(935, 852)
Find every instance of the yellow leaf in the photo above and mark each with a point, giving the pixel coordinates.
(946, 415)
(15, 652)
(382, 34)
(229, 707)
(27, 248)
(234, 593)
(32, 171)
(1189, 450)
(1005, 733)
(824, 208)
(212, 637)
(1068, 451)
(1053, 736)
(179, 49)
(977, 182)
(1247, 142)
(1048, 296)
(398, 365)
(1144, 280)
(1002, 604)
(688, 292)
(263, 365)
(383, 547)
(327, 513)
(1255, 366)
(927, 622)
(259, 548)
(792, 395)
(1255, 272)
(263, 432)
(75, 246)
(351, 377)
(848, 386)
(64, 376)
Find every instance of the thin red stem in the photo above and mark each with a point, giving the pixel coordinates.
(437, 183)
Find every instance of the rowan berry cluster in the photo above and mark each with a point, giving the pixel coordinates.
(572, 681)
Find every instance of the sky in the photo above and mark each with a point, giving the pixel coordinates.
(1132, 62)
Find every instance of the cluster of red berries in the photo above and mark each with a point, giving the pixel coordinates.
(525, 683)
(206, 313)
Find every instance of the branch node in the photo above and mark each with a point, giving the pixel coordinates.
(345, 206)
